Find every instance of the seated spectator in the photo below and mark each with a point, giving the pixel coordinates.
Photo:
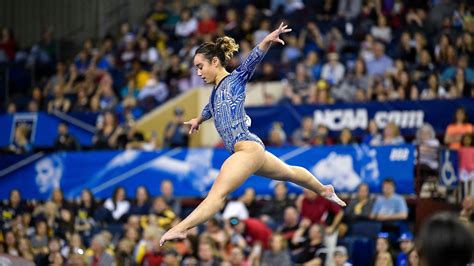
(85, 209)
(406, 245)
(59, 102)
(107, 133)
(356, 80)
(10, 211)
(290, 224)
(316, 208)
(65, 141)
(167, 193)
(251, 230)
(39, 241)
(333, 70)
(215, 231)
(309, 240)
(99, 254)
(118, 205)
(466, 215)
(360, 207)
(380, 63)
(187, 24)
(11, 245)
(462, 65)
(236, 208)
(21, 143)
(305, 134)
(277, 136)
(163, 213)
(11, 108)
(433, 245)
(141, 205)
(373, 136)
(176, 133)
(25, 250)
(345, 138)
(391, 136)
(7, 46)
(433, 90)
(206, 253)
(389, 206)
(278, 253)
(383, 251)
(272, 212)
(413, 258)
(297, 90)
(341, 256)
(382, 31)
(459, 127)
(248, 198)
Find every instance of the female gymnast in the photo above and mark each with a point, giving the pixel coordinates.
(226, 106)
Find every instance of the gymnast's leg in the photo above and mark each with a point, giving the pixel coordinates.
(235, 170)
(275, 168)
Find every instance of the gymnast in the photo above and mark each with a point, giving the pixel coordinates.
(248, 155)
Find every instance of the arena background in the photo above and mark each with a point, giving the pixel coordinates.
(95, 163)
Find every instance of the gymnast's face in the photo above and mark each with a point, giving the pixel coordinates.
(207, 70)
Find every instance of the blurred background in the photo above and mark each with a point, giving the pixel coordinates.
(374, 97)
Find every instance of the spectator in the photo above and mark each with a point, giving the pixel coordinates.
(25, 249)
(273, 211)
(187, 24)
(413, 258)
(466, 215)
(118, 205)
(433, 89)
(354, 81)
(341, 256)
(11, 108)
(65, 141)
(163, 213)
(206, 253)
(433, 245)
(59, 102)
(100, 256)
(236, 208)
(373, 136)
(11, 245)
(248, 198)
(406, 244)
(333, 70)
(380, 63)
(290, 224)
(345, 137)
(298, 89)
(382, 31)
(391, 135)
(428, 146)
(7, 46)
(13, 209)
(389, 206)
(459, 127)
(252, 230)
(310, 237)
(107, 132)
(383, 252)
(305, 134)
(278, 253)
(360, 207)
(176, 133)
(141, 205)
(167, 193)
(277, 136)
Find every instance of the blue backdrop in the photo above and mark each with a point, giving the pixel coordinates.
(193, 170)
(409, 115)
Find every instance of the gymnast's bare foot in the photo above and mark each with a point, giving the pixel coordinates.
(331, 195)
(172, 234)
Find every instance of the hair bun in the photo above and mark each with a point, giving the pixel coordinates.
(228, 46)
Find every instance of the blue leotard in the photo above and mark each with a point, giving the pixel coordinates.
(226, 104)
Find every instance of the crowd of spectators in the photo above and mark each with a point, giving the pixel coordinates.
(284, 229)
(342, 51)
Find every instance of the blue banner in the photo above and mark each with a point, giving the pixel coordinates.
(44, 128)
(193, 170)
(408, 115)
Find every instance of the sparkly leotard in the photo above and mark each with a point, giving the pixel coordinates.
(226, 104)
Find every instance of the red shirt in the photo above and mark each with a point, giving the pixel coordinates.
(256, 231)
(317, 209)
(207, 26)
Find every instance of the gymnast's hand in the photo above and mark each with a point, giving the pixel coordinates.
(194, 123)
(275, 35)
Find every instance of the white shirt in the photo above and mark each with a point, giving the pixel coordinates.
(235, 209)
(122, 208)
